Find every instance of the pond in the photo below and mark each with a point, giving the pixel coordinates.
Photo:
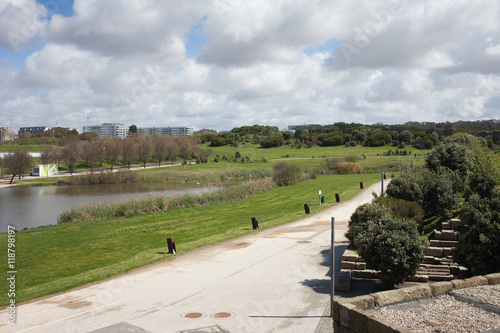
(29, 207)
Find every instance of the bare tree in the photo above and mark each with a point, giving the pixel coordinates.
(17, 163)
(144, 148)
(71, 154)
(159, 147)
(47, 154)
(129, 150)
(113, 150)
(100, 150)
(88, 152)
(184, 147)
(172, 149)
(52, 154)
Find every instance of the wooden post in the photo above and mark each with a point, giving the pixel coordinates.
(171, 245)
(255, 223)
(337, 197)
(306, 208)
(361, 185)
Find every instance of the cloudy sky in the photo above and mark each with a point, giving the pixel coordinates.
(224, 63)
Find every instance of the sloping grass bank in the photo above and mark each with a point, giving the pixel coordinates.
(53, 259)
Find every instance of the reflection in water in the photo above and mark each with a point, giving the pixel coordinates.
(30, 207)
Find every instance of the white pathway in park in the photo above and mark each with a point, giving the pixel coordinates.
(275, 280)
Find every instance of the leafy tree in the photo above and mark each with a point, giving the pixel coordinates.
(132, 129)
(378, 139)
(405, 136)
(273, 141)
(332, 139)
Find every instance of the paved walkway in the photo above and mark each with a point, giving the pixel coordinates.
(275, 280)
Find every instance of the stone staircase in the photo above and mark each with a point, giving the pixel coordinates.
(438, 264)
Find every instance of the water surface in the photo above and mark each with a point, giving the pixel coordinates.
(29, 207)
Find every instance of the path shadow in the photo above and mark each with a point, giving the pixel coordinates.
(323, 286)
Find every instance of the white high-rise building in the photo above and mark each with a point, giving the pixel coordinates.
(108, 130)
(166, 130)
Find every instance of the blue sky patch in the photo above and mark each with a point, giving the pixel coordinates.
(62, 7)
(329, 46)
(196, 39)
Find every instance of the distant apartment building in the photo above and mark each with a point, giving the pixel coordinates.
(108, 130)
(33, 130)
(165, 130)
(6, 134)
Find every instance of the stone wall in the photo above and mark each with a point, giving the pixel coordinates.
(349, 315)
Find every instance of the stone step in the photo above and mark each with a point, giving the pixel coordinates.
(446, 226)
(434, 267)
(449, 235)
(443, 243)
(433, 277)
(431, 273)
(455, 223)
(349, 255)
(434, 251)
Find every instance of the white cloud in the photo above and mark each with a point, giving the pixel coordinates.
(20, 22)
(394, 61)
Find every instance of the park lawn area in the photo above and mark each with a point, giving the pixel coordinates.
(52, 259)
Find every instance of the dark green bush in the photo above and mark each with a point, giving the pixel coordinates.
(390, 245)
(362, 217)
(478, 248)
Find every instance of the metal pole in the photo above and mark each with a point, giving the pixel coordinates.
(332, 282)
(382, 192)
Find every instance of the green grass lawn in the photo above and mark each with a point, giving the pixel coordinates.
(52, 259)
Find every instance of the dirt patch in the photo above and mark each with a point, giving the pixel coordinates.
(69, 303)
(75, 304)
(240, 245)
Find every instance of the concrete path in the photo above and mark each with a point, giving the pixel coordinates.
(275, 280)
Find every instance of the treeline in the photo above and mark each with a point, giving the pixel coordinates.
(131, 150)
(419, 134)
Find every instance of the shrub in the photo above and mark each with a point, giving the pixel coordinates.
(349, 168)
(478, 246)
(403, 209)
(345, 166)
(362, 216)
(435, 192)
(286, 174)
(390, 245)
